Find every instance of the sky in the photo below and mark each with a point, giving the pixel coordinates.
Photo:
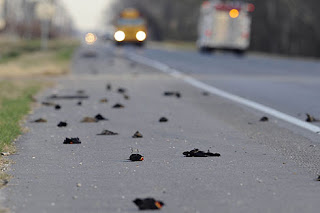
(87, 14)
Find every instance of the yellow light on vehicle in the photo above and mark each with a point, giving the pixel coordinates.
(234, 13)
(90, 38)
(119, 36)
(141, 36)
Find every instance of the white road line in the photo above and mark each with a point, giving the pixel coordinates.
(196, 83)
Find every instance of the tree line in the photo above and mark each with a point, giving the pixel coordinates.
(21, 20)
(278, 26)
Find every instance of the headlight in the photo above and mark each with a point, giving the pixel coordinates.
(119, 35)
(141, 36)
(90, 38)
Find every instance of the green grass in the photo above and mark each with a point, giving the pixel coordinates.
(65, 54)
(15, 103)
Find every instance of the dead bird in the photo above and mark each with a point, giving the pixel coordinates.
(48, 104)
(198, 153)
(117, 106)
(121, 90)
(80, 91)
(108, 132)
(136, 157)
(103, 100)
(318, 179)
(79, 103)
(57, 107)
(311, 119)
(163, 119)
(99, 117)
(62, 124)
(39, 120)
(109, 87)
(68, 97)
(264, 119)
(172, 93)
(72, 141)
(3, 182)
(137, 135)
(89, 120)
(126, 97)
(205, 93)
(148, 204)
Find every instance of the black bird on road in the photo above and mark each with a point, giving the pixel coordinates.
(148, 204)
(136, 157)
(198, 153)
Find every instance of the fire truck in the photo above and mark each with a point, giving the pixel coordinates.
(130, 27)
(224, 25)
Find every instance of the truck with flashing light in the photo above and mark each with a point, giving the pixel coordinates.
(130, 27)
(225, 26)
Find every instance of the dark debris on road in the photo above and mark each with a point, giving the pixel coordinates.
(89, 120)
(264, 119)
(121, 90)
(57, 107)
(136, 157)
(72, 141)
(148, 204)
(68, 97)
(62, 124)
(163, 119)
(39, 120)
(108, 132)
(99, 117)
(172, 93)
(311, 119)
(198, 153)
(118, 106)
(137, 134)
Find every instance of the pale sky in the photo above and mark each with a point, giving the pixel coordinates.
(87, 14)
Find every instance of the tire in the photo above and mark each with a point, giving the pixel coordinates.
(140, 44)
(118, 44)
(205, 50)
(239, 52)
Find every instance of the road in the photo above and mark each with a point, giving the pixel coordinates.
(264, 166)
(288, 85)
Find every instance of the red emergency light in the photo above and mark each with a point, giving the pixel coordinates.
(227, 7)
(251, 7)
(205, 4)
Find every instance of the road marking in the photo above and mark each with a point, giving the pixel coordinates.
(196, 83)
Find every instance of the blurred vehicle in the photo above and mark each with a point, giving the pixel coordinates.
(108, 36)
(224, 25)
(130, 27)
(90, 38)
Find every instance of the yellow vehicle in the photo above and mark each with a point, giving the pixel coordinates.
(130, 27)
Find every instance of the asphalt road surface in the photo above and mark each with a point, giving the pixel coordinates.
(264, 166)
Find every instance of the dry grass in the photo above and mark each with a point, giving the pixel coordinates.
(25, 58)
(34, 64)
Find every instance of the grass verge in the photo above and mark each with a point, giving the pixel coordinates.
(25, 58)
(14, 104)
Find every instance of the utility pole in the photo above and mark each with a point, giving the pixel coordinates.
(2, 14)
